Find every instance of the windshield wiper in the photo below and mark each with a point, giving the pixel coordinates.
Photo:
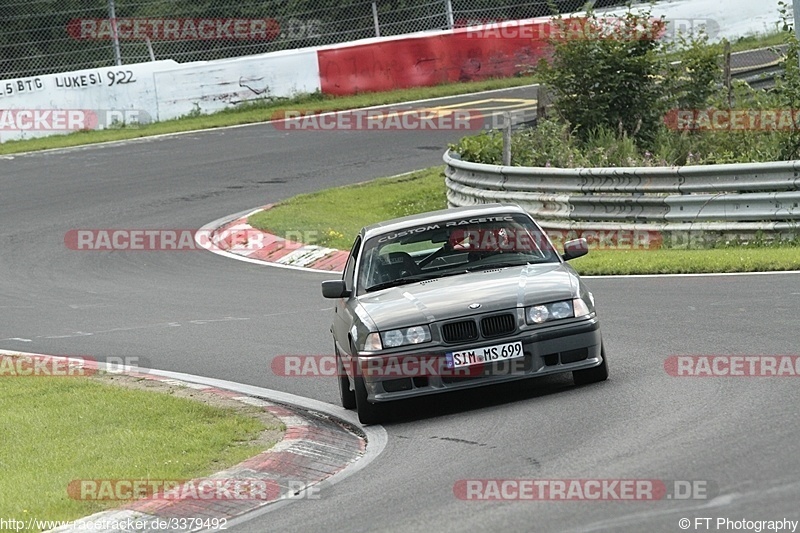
(400, 281)
(503, 264)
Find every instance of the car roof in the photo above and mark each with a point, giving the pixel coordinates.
(442, 215)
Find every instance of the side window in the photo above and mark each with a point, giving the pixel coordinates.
(350, 267)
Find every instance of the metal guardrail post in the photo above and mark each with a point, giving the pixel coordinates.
(727, 72)
(506, 138)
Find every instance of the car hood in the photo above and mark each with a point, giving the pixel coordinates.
(450, 297)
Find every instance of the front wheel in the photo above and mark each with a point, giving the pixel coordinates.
(592, 375)
(368, 413)
(347, 396)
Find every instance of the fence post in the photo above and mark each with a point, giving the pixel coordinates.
(542, 101)
(448, 8)
(150, 48)
(727, 72)
(375, 19)
(114, 35)
(506, 138)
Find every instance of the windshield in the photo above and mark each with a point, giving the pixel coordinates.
(453, 247)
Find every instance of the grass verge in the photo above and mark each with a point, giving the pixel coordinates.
(333, 217)
(762, 40)
(59, 429)
(667, 261)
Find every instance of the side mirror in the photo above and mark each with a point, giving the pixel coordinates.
(334, 288)
(575, 248)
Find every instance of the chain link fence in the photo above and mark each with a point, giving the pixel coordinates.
(49, 36)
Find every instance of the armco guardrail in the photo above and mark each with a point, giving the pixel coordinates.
(738, 199)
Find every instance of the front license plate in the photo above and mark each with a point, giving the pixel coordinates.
(487, 354)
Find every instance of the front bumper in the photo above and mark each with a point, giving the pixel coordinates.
(552, 350)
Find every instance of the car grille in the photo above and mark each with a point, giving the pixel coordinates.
(495, 326)
(466, 330)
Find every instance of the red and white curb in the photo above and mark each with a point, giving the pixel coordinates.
(234, 237)
(321, 445)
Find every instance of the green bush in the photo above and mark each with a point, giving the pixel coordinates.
(551, 144)
(486, 147)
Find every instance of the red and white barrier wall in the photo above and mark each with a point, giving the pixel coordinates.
(162, 90)
(430, 59)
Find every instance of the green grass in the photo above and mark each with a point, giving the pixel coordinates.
(261, 111)
(751, 42)
(742, 44)
(333, 217)
(740, 259)
(59, 429)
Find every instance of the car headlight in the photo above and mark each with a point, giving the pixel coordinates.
(561, 310)
(402, 337)
(539, 314)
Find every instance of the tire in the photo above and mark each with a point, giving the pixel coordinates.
(592, 375)
(347, 397)
(368, 413)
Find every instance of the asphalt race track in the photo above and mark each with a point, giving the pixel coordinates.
(196, 312)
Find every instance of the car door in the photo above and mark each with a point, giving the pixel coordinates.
(343, 307)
